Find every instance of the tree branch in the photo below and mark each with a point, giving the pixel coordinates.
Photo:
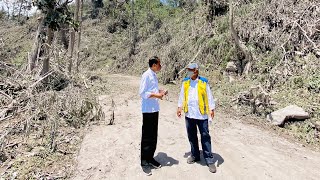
(305, 34)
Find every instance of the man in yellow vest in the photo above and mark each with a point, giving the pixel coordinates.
(198, 105)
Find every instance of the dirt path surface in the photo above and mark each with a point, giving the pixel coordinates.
(241, 151)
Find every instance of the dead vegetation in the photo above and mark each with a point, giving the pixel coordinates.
(272, 48)
(257, 98)
(275, 44)
(41, 124)
(42, 118)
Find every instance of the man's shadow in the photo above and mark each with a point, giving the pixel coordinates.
(165, 160)
(216, 158)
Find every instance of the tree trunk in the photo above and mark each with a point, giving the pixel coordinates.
(72, 37)
(133, 31)
(63, 36)
(13, 10)
(36, 46)
(79, 37)
(70, 49)
(20, 8)
(210, 7)
(246, 63)
(46, 61)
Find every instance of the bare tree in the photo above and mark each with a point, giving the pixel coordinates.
(20, 9)
(36, 46)
(210, 10)
(46, 61)
(72, 37)
(245, 64)
(63, 36)
(7, 4)
(133, 30)
(24, 6)
(14, 8)
(55, 14)
(79, 37)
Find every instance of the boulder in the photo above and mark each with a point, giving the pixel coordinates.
(292, 112)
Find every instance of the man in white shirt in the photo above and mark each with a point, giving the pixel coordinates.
(150, 95)
(197, 103)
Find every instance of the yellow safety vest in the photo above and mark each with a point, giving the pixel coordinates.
(202, 95)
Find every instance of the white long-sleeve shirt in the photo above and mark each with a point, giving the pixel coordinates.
(148, 85)
(193, 103)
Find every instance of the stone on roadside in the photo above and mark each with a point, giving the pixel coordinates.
(290, 112)
(317, 125)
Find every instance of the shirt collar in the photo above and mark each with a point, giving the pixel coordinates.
(152, 72)
(195, 79)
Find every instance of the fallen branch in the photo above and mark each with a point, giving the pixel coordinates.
(5, 118)
(42, 78)
(4, 112)
(305, 34)
(12, 144)
(255, 98)
(8, 65)
(6, 95)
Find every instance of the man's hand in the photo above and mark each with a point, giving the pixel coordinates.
(212, 114)
(157, 95)
(179, 112)
(164, 92)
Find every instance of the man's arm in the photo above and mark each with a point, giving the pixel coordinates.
(211, 101)
(180, 101)
(156, 95)
(144, 87)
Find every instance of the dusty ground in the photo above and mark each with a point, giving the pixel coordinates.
(242, 151)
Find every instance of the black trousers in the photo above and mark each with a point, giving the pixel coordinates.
(149, 135)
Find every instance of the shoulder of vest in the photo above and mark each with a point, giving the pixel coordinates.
(186, 79)
(203, 79)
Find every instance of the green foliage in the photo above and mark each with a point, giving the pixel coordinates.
(304, 131)
(298, 82)
(56, 14)
(314, 83)
(223, 24)
(228, 56)
(144, 8)
(268, 62)
(221, 48)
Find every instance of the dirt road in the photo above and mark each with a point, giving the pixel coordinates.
(241, 151)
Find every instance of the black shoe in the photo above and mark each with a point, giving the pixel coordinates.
(146, 170)
(154, 163)
(192, 160)
(144, 163)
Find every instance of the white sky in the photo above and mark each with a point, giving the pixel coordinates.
(2, 4)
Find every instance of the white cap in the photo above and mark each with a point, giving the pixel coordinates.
(193, 66)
